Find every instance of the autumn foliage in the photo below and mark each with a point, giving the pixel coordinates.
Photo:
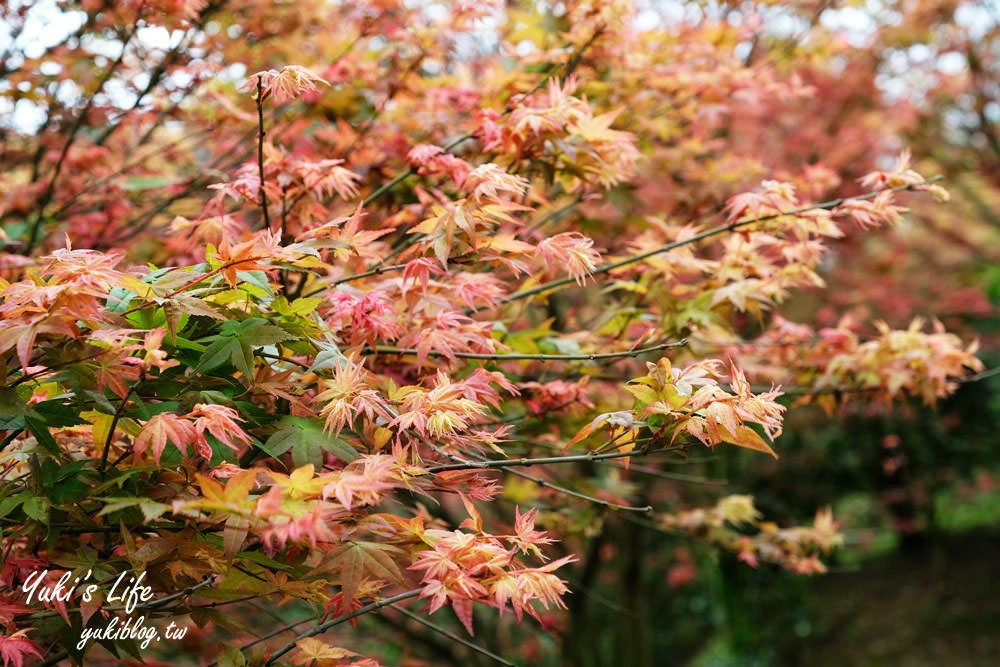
(341, 307)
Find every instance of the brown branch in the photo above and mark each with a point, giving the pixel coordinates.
(260, 152)
(452, 636)
(547, 460)
(708, 233)
(516, 356)
(334, 622)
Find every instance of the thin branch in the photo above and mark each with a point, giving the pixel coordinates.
(380, 267)
(981, 375)
(54, 659)
(394, 88)
(569, 67)
(389, 185)
(136, 160)
(509, 465)
(674, 476)
(223, 603)
(857, 389)
(576, 494)
(334, 622)
(547, 460)
(515, 356)
(378, 270)
(273, 633)
(260, 152)
(708, 233)
(452, 636)
(445, 651)
(111, 432)
(137, 224)
(27, 377)
(153, 604)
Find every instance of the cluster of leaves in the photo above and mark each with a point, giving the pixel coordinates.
(797, 549)
(354, 324)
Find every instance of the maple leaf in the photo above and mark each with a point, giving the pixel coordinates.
(539, 584)
(288, 83)
(209, 229)
(345, 236)
(490, 181)
(363, 318)
(365, 480)
(249, 255)
(160, 429)
(525, 537)
(308, 442)
(221, 422)
(347, 395)
(776, 197)
(900, 176)
(321, 178)
(356, 561)
(233, 498)
(10, 609)
(570, 251)
(301, 483)
(620, 419)
(448, 332)
(15, 647)
(87, 268)
(312, 652)
(421, 154)
(155, 356)
(872, 213)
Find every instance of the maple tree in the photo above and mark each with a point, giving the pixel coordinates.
(341, 306)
